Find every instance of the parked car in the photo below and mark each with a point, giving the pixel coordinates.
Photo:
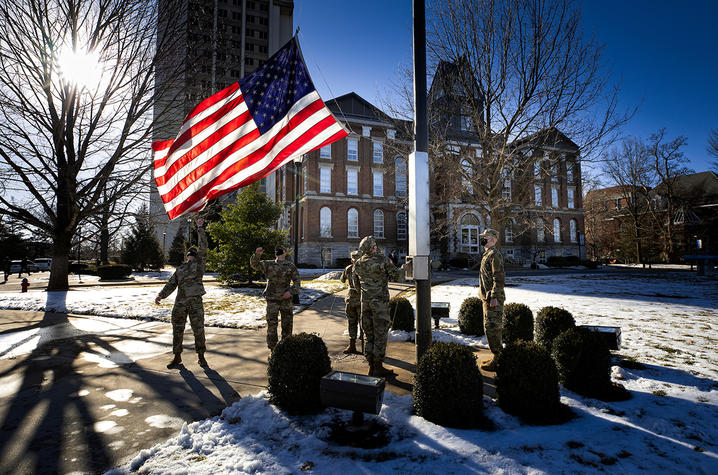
(16, 265)
(43, 263)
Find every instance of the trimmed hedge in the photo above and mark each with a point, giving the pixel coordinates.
(559, 261)
(402, 314)
(114, 271)
(518, 322)
(550, 323)
(583, 361)
(471, 317)
(448, 387)
(295, 369)
(527, 383)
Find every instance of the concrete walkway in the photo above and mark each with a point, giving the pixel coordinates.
(80, 401)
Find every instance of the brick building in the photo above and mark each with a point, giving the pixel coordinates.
(352, 188)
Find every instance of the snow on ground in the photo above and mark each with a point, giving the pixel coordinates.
(224, 306)
(669, 425)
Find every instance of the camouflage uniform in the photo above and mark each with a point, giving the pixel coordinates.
(374, 272)
(491, 285)
(353, 300)
(279, 274)
(187, 279)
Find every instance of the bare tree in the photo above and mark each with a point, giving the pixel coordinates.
(630, 169)
(668, 164)
(712, 147)
(525, 77)
(68, 148)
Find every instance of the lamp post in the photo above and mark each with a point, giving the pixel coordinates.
(419, 231)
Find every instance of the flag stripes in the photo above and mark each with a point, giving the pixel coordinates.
(220, 147)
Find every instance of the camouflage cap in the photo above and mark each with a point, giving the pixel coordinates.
(366, 244)
(355, 254)
(490, 233)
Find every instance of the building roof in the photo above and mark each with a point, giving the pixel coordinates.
(696, 188)
(352, 107)
(551, 137)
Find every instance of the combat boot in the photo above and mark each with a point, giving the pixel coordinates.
(352, 347)
(381, 372)
(489, 365)
(201, 361)
(176, 361)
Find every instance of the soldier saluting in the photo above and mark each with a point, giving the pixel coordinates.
(491, 291)
(187, 279)
(353, 302)
(374, 272)
(278, 292)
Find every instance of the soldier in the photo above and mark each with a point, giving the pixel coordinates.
(491, 291)
(278, 292)
(374, 272)
(187, 279)
(353, 302)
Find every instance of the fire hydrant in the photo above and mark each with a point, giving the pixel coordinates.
(25, 284)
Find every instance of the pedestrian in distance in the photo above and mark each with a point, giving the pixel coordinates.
(282, 283)
(6, 268)
(492, 279)
(394, 258)
(23, 268)
(187, 279)
(352, 302)
(374, 272)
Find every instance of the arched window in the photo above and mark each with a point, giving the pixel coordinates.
(556, 230)
(379, 224)
(352, 223)
(401, 226)
(469, 234)
(508, 233)
(540, 236)
(325, 222)
(572, 230)
(400, 176)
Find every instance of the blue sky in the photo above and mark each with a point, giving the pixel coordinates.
(664, 54)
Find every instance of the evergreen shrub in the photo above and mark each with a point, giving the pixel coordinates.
(114, 271)
(518, 323)
(527, 383)
(448, 387)
(583, 361)
(550, 323)
(471, 317)
(402, 314)
(295, 369)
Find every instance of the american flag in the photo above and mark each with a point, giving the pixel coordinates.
(244, 133)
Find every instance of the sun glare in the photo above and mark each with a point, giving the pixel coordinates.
(79, 68)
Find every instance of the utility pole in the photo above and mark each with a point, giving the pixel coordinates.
(419, 232)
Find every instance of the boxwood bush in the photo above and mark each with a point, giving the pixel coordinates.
(295, 370)
(518, 323)
(471, 317)
(114, 271)
(448, 388)
(527, 383)
(402, 314)
(583, 361)
(550, 323)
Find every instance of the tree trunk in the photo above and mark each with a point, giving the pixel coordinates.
(60, 263)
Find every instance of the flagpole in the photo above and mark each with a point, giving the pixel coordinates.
(419, 231)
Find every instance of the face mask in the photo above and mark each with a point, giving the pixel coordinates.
(483, 241)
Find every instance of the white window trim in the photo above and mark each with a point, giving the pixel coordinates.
(573, 230)
(377, 172)
(571, 197)
(355, 170)
(323, 226)
(554, 194)
(556, 232)
(349, 141)
(322, 170)
(374, 144)
(405, 227)
(379, 233)
(327, 149)
(349, 233)
(538, 195)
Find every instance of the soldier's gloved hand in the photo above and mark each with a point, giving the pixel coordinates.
(287, 295)
(157, 300)
(259, 251)
(493, 303)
